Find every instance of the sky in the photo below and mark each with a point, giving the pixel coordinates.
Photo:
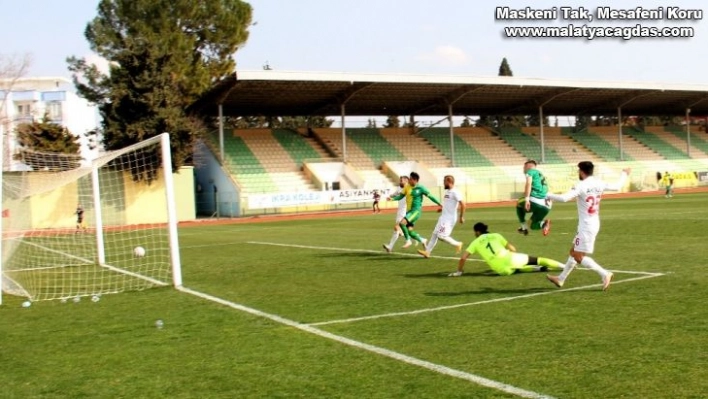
(442, 37)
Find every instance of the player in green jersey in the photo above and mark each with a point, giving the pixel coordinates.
(534, 201)
(414, 194)
(501, 256)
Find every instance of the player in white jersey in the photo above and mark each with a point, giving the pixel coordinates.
(453, 209)
(588, 192)
(400, 213)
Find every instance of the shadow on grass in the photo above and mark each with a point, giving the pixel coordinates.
(489, 290)
(367, 255)
(485, 273)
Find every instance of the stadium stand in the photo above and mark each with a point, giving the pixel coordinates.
(298, 147)
(465, 154)
(414, 147)
(562, 145)
(332, 139)
(283, 171)
(595, 144)
(490, 146)
(374, 145)
(365, 166)
(654, 142)
(243, 165)
(636, 150)
(676, 136)
(528, 146)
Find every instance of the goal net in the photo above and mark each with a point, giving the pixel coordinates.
(72, 229)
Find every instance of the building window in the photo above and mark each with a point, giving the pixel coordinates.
(24, 110)
(54, 110)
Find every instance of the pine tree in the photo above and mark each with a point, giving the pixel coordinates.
(44, 146)
(163, 55)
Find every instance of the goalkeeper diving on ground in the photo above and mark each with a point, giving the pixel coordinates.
(501, 256)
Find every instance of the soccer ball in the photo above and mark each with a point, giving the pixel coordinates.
(139, 252)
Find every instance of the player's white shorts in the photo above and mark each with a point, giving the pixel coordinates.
(400, 215)
(584, 241)
(444, 228)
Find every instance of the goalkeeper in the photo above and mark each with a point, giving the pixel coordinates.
(501, 256)
(414, 194)
(80, 224)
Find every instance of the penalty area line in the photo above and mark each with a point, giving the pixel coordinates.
(462, 305)
(474, 378)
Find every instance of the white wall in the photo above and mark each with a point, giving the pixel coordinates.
(77, 114)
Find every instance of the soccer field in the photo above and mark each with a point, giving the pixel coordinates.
(315, 308)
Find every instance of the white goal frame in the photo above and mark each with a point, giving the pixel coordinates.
(171, 225)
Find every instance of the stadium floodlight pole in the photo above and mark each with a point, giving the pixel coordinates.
(100, 244)
(171, 210)
(688, 132)
(543, 143)
(452, 135)
(344, 135)
(619, 124)
(540, 118)
(221, 132)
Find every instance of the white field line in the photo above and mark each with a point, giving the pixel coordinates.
(461, 305)
(89, 262)
(476, 379)
(405, 254)
(643, 276)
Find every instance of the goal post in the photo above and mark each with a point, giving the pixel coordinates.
(72, 228)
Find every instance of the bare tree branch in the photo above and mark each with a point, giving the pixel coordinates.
(12, 68)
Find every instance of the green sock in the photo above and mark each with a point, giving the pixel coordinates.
(406, 233)
(551, 264)
(414, 234)
(521, 213)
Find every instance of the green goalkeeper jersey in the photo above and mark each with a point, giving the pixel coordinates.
(414, 197)
(492, 248)
(539, 187)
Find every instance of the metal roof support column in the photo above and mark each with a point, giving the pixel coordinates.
(344, 135)
(221, 132)
(619, 124)
(452, 135)
(688, 132)
(543, 142)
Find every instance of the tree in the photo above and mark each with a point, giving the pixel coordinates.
(500, 121)
(12, 68)
(392, 121)
(44, 146)
(532, 120)
(582, 122)
(163, 55)
(505, 69)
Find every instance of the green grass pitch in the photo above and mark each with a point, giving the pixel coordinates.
(647, 337)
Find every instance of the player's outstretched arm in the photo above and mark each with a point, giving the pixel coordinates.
(617, 186)
(565, 197)
(460, 265)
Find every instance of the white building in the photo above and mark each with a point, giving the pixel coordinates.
(29, 99)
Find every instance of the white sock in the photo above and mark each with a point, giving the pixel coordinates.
(569, 266)
(523, 226)
(590, 262)
(450, 241)
(431, 243)
(394, 238)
